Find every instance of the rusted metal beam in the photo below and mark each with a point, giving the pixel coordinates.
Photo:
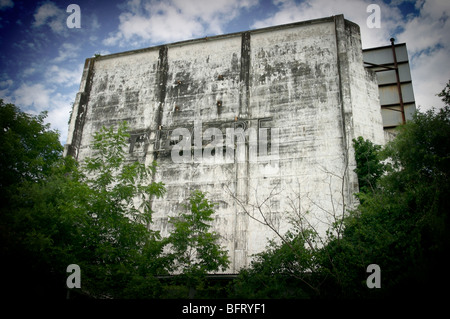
(387, 68)
(397, 76)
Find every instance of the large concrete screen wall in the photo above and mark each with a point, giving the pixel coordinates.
(265, 119)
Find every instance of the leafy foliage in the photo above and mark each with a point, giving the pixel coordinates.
(86, 213)
(28, 147)
(57, 212)
(195, 251)
(401, 224)
(122, 248)
(369, 167)
(283, 270)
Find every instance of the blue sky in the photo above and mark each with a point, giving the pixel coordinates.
(41, 59)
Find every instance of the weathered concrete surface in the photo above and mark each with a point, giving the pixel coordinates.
(305, 81)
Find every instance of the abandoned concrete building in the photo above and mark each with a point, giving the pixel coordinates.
(261, 120)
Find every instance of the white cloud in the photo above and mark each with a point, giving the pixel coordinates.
(353, 10)
(429, 28)
(101, 52)
(4, 4)
(53, 97)
(5, 88)
(430, 74)
(34, 96)
(62, 76)
(428, 41)
(94, 24)
(6, 83)
(4, 95)
(426, 35)
(66, 52)
(58, 116)
(50, 14)
(28, 71)
(150, 22)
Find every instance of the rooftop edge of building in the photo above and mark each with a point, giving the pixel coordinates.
(227, 35)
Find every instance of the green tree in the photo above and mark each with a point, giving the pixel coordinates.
(30, 153)
(195, 249)
(369, 167)
(445, 94)
(28, 147)
(85, 214)
(59, 212)
(123, 252)
(284, 270)
(401, 223)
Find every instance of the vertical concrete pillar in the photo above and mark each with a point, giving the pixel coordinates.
(242, 155)
(160, 92)
(79, 111)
